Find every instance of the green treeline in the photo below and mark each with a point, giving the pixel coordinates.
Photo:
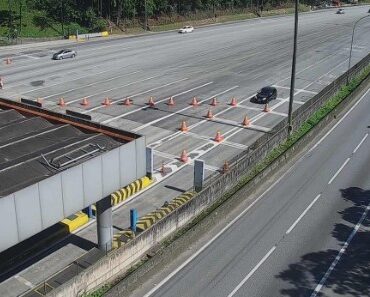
(67, 16)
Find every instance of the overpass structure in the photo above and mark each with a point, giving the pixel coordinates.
(53, 165)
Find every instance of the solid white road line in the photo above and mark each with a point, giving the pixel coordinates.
(340, 121)
(252, 271)
(302, 215)
(24, 281)
(361, 142)
(339, 170)
(341, 252)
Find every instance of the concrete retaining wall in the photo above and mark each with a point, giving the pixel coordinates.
(119, 260)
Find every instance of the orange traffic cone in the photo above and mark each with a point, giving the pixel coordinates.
(246, 122)
(225, 167)
(84, 102)
(151, 102)
(39, 100)
(209, 114)
(127, 102)
(266, 108)
(194, 102)
(183, 127)
(218, 137)
(106, 101)
(233, 102)
(61, 102)
(8, 61)
(184, 156)
(171, 102)
(1, 83)
(214, 101)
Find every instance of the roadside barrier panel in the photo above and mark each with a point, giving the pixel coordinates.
(122, 194)
(122, 237)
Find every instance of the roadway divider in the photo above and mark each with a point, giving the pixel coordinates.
(148, 220)
(75, 221)
(151, 218)
(87, 36)
(122, 194)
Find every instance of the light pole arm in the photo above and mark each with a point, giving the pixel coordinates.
(353, 34)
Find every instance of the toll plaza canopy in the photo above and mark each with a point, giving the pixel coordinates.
(53, 165)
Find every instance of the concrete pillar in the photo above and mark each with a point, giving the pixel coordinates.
(104, 223)
(149, 162)
(198, 175)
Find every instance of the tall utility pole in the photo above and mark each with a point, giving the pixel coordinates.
(292, 80)
(145, 17)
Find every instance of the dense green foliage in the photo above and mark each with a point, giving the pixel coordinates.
(38, 18)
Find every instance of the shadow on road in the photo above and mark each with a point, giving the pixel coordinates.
(351, 276)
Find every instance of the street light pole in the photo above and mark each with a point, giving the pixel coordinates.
(353, 34)
(292, 80)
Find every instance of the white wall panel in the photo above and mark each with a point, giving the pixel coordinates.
(140, 157)
(72, 189)
(8, 223)
(27, 205)
(110, 164)
(51, 200)
(127, 163)
(92, 178)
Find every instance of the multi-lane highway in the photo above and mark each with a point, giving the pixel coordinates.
(232, 60)
(307, 235)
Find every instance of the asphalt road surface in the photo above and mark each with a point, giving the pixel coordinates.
(307, 235)
(232, 60)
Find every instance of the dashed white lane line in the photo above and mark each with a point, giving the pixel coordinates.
(302, 214)
(159, 101)
(89, 85)
(339, 170)
(341, 252)
(361, 142)
(24, 281)
(252, 271)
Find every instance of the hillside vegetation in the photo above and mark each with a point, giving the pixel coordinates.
(51, 18)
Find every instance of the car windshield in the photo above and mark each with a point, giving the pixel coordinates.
(265, 91)
(60, 52)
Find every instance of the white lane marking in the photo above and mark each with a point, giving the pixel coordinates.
(339, 170)
(181, 110)
(89, 85)
(143, 107)
(340, 121)
(24, 281)
(222, 231)
(341, 252)
(302, 214)
(63, 82)
(361, 142)
(135, 95)
(252, 271)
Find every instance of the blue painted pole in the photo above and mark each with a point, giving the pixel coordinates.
(133, 219)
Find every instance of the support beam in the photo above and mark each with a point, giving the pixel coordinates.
(149, 162)
(104, 224)
(198, 175)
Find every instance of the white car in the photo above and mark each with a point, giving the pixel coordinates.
(186, 29)
(340, 11)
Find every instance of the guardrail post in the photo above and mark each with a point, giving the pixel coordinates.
(133, 219)
(198, 175)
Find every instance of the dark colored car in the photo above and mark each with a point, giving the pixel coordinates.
(265, 95)
(65, 53)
